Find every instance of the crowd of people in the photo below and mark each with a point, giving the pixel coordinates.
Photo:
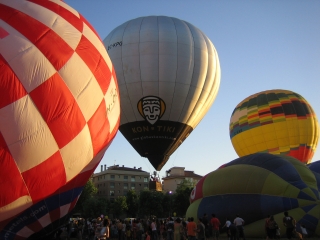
(173, 228)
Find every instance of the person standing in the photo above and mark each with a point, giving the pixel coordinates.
(177, 229)
(154, 234)
(227, 225)
(201, 230)
(215, 223)
(271, 228)
(191, 229)
(239, 222)
(205, 222)
(290, 224)
(170, 227)
(303, 231)
(123, 230)
(105, 230)
(266, 226)
(233, 231)
(119, 227)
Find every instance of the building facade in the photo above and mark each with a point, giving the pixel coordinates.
(175, 175)
(116, 181)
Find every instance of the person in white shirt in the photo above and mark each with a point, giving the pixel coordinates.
(239, 222)
(227, 225)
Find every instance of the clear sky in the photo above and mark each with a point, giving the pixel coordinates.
(261, 44)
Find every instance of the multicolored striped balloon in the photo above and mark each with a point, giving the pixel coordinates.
(256, 186)
(276, 122)
(59, 112)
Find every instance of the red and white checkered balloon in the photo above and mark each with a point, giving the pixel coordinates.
(59, 100)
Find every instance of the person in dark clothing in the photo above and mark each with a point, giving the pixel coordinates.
(205, 222)
(233, 231)
(290, 224)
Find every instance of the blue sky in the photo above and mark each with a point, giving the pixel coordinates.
(262, 45)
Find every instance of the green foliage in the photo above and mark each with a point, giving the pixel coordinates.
(151, 203)
(119, 206)
(132, 203)
(181, 202)
(186, 184)
(148, 203)
(89, 190)
(167, 204)
(181, 197)
(94, 207)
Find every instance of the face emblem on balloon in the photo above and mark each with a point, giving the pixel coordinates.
(151, 108)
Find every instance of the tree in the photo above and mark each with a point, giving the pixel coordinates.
(150, 203)
(119, 206)
(181, 200)
(89, 190)
(186, 184)
(94, 207)
(132, 203)
(167, 204)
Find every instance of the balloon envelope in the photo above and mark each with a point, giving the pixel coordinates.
(169, 75)
(258, 185)
(314, 166)
(59, 111)
(276, 122)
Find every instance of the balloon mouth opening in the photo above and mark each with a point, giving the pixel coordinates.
(158, 161)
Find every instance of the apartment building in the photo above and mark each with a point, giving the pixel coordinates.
(175, 175)
(116, 180)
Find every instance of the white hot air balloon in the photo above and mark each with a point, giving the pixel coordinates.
(168, 73)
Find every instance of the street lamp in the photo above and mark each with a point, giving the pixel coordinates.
(170, 199)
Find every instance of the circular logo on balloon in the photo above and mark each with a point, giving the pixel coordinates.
(151, 108)
(193, 193)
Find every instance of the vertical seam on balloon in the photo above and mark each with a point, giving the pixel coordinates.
(175, 81)
(298, 128)
(273, 123)
(305, 154)
(158, 56)
(314, 133)
(124, 78)
(141, 85)
(206, 102)
(287, 129)
(183, 108)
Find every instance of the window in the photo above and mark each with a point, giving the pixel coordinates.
(125, 192)
(125, 177)
(111, 176)
(146, 186)
(119, 191)
(145, 179)
(133, 186)
(125, 186)
(112, 193)
(119, 176)
(133, 178)
(112, 185)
